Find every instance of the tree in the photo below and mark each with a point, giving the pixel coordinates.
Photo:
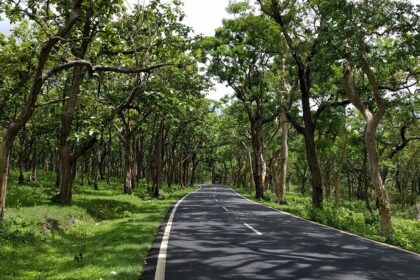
(242, 57)
(302, 26)
(36, 76)
(368, 42)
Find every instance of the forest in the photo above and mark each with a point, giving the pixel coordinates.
(105, 123)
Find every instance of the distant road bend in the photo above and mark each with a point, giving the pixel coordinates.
(217, 234)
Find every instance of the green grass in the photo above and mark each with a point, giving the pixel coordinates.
(112, 231)
(350, 216)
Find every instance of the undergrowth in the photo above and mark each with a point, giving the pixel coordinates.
(351, 216)
(104, 234)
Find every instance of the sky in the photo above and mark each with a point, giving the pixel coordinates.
(204, 16)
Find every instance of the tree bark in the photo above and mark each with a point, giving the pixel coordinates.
(372, 122)
(32, 178)
(4, 169)
(159, 152)
(257, 145)
(68, 160)
(373, 157)
(314, 169)
(284, 156)
(21, 165)
(128, 163)
(67, 174)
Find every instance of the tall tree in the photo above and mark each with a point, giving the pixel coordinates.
(302, 25)
(242, 57)
(68, 13)
(387, 36)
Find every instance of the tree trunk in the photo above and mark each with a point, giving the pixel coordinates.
(303, 181)
(21, 166)
(159, 152)
(249, 170)
(257, 145)
(96, 166)
(383, 200)
(264, 169)
(284, 156)
(67, 159)
(328, 170)
(128, 164)
(314, 169)
(67, 174)
(372, 122)
(194, 168)
(4, 170)
(32, 178)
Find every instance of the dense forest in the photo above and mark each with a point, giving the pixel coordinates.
(325, 103)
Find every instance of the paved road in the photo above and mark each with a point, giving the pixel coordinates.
(216, 234)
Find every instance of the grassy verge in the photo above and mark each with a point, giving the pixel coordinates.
(103, 235)
(349, 216)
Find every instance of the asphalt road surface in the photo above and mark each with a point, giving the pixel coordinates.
(217, 234)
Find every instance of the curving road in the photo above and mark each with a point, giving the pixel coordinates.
(217, 234)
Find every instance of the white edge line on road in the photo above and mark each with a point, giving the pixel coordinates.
(253, 229)
(341, 231)
(161, 262)
(227, 210)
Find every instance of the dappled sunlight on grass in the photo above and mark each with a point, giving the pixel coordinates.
(103, 234)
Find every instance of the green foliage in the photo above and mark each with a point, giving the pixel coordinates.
(113, 232)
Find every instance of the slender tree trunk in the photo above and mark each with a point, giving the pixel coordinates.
(96, 166)
(349, 185)
(194, 167)
(249, 170)
(4, 170)
(383, 200)
(32, 178)
(303, 181)
(128, 164)
(372, 122)
(284, 157)
(264, 169)
(21, 166)
(328, 170)
(366, 182)
(159, 152)
(257, 145)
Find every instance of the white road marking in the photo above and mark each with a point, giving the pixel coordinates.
(227, 210)
(253, 229)
(161, 262)
(315, 223)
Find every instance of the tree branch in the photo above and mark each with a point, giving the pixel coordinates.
(325, 106)
(51, 102)
(299, 128)
(101, 68)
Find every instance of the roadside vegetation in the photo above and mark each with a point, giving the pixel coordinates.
(103, 235)
(103, 106)
(350, 216)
